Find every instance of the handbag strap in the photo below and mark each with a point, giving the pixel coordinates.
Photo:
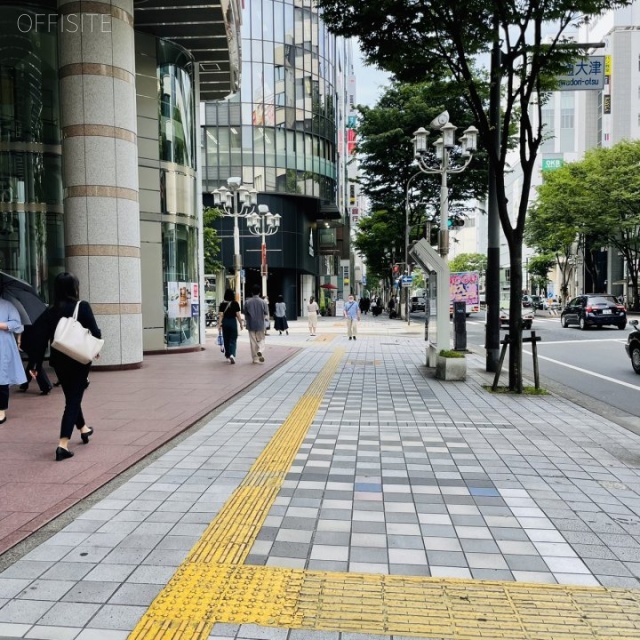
(75, 311)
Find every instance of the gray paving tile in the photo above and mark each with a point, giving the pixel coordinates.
(24, 611)
(90, 591)
(115, 617)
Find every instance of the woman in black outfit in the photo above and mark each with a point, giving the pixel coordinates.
(228, 318)
(73, 375)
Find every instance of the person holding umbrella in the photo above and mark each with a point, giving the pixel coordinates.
(11, 371)
(30, 309)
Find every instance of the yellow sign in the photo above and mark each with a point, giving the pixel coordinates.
(607, 65)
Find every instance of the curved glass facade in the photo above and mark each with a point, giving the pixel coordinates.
(178, 189)
(279, 132)
(31, 228)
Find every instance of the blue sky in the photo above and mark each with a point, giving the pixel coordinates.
(370, 81)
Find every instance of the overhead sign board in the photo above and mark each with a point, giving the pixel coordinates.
(585, 74)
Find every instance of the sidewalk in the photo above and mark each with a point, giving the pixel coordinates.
(133, 412)
(350, 497)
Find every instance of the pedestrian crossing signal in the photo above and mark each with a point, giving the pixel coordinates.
(452, 223)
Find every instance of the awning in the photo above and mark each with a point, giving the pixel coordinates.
(329, 211)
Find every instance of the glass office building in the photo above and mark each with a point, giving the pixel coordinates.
(279, 134)
(99, 157)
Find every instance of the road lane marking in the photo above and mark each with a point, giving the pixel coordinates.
(580, 342)
(586, 371)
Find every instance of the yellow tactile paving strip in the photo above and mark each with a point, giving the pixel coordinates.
(213, 585)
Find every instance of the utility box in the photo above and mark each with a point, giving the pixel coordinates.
(460, 326)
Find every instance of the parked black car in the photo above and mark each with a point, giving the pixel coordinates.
(594, 310)
(417, 303)
(633, 346)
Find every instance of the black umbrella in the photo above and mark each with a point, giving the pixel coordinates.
(23, 296)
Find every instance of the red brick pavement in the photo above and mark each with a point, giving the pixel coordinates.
(133, 413)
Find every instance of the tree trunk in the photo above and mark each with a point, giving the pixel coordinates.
(515, 315)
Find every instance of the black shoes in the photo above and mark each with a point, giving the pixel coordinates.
(46, 392)
(85, 436)
(24, 386)
(63, 454)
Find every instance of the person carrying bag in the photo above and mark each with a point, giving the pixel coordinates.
(72, 339)
(69, 324)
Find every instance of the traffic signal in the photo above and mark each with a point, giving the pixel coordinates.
(453, 223)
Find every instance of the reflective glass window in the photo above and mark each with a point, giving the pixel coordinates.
(256, 19)
(279, 10)
(269, 146)
(177, 115)
(235, 145)
(31, 221)
(267, 20)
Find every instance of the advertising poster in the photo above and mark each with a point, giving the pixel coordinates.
(184, 300)
(172, 298)
(463, 287)
(195, 300)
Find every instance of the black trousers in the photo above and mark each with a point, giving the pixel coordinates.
(74, 381)
(4, 397)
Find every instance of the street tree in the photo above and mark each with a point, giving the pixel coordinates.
(597, 200)
(211, 240)
(538, 268)
(469, 262)
(420, 40)
(376, 233)
(385, 150)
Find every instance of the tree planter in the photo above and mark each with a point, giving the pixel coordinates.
(451, 368)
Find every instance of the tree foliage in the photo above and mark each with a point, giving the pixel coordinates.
(539, 267)
(469, 262)
(420, 40)
(387, 169)
(592, 203)
(211, 240)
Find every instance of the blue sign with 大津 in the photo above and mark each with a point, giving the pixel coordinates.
(585, 74)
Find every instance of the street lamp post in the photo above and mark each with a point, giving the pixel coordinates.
(443, 147)
(407, 230)
(238, 202)
(263, 223)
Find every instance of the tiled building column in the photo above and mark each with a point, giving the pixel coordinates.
(101, 211)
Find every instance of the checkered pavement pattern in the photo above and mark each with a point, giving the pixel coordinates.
(398, 474)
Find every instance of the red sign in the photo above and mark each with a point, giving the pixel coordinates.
(264, 254)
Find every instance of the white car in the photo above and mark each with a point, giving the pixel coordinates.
(550, 303)
(527, 317)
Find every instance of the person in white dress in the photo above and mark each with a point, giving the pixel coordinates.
(312, 314)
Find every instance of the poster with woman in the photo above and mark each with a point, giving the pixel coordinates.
(184, 300)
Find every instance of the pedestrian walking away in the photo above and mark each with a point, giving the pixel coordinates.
(72, 375)
(255, 314)
(352, 314)
(11, 371)
(28, 344)
(312, 314)
(280, 315)
(229, 319)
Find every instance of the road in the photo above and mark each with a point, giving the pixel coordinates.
(591, 362)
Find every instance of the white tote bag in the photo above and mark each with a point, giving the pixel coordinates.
(72, 339)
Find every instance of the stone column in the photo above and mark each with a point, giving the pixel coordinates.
(100, 177)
